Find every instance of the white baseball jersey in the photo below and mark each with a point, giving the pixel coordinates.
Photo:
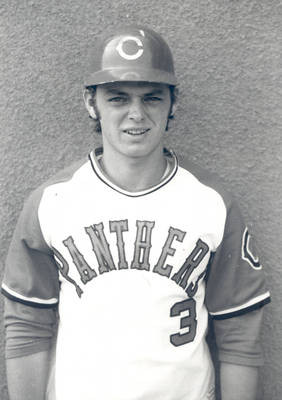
(135, 276)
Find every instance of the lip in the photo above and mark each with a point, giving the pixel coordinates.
(136, 131)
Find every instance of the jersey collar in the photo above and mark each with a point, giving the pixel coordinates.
(171, 158)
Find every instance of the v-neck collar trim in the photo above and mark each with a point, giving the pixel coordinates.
(95, 155)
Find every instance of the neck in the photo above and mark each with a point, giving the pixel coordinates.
(134, 174)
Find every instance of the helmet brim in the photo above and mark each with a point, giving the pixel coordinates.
(130, 75)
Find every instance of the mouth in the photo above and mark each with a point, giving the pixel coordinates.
(136, 131)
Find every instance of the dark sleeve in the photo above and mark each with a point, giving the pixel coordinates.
(238, 339)
(28, 329)
(31, 274)
(236, 281)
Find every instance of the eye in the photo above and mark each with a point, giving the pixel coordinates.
(152, 99)
(117, 99)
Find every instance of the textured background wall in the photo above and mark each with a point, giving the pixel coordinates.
(228, 59)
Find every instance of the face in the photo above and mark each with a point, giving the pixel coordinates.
(133, 117)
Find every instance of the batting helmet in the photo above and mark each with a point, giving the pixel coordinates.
(133, 53)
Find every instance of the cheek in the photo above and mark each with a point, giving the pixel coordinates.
(107, 115)
(110, 121)
(166, 109)
(163, 116)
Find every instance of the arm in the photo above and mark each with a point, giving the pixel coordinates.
(238, 382)
(29, 344)
(31, 289)
(27, 376)
(240, 355)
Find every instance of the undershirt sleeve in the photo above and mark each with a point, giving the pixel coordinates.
(29, 329)
(238, 339)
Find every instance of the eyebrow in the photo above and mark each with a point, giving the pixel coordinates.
(154, 92)
(121, 93)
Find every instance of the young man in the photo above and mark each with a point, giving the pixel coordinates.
(135, 250)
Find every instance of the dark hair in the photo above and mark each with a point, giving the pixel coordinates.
(97, 127)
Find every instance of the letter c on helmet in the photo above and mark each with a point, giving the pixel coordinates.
(127, 56)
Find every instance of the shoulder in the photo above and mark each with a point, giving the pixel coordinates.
(63, 176)
(210, 182)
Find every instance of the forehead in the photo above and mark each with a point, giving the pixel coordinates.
(133, 88)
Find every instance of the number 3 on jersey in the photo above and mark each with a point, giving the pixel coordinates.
(188, 321)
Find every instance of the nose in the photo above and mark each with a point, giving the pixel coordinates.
(136, 110)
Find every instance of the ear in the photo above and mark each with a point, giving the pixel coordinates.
(175, 102)
(89, 103)
(173, 109)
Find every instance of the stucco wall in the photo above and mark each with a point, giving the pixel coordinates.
(229, 119)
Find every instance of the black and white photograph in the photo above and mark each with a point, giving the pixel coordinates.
(140, 159)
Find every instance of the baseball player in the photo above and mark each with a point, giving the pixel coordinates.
(124, 256)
